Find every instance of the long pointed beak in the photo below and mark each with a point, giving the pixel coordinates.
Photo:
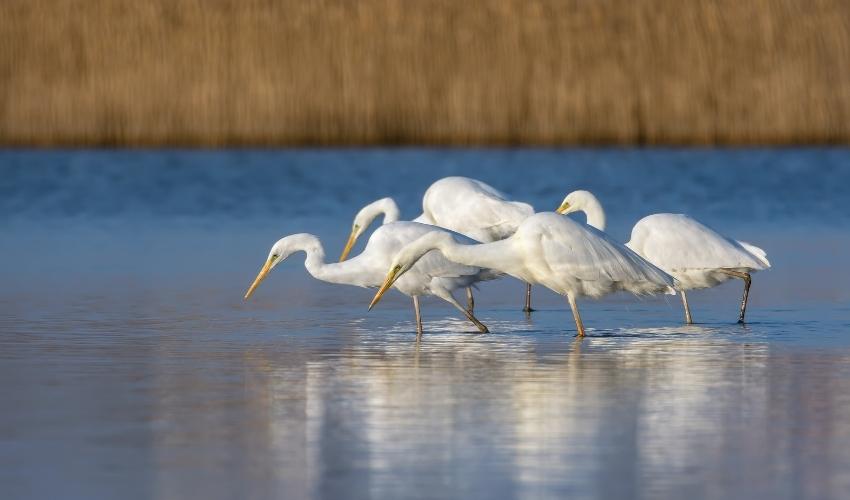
(391, 277)
(352, 239)
(563, 208)
(259, 279)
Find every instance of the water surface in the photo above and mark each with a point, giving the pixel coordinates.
(130, 366)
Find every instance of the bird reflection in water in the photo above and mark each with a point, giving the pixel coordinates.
(502, 415)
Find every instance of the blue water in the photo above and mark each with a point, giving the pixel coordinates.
(130, 366)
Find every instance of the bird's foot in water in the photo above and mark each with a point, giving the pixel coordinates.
(528, 310)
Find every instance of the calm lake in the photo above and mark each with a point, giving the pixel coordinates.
(130, 366)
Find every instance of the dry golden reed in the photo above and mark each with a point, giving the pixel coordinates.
(296, 72)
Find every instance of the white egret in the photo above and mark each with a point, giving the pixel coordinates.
(566, 256)
(433, 275)
(389, 209)
(467, 206)
(694, 254)
(386, 207)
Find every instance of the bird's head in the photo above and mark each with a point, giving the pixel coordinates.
(280, 251)
(365, 217)
(407, 257)
(576, 202)
(356, 230)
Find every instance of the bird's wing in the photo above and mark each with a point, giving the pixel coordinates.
(756, 251)
(476, 210)
(677, 242)
(573, 249)
(497, 215)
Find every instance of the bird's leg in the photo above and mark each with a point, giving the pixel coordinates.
(448, 297)
(688, 319)
(470, 300)
(418, 316)
(480, 325)
(576, 315)
(747, 282)
(527, 307)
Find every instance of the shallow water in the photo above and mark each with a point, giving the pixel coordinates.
(130, 367)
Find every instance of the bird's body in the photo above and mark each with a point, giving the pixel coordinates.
(466, 206)
(568, 257)
(694, 254)
(473, 208)
(433, 275)
(572, 258)
(691, 252)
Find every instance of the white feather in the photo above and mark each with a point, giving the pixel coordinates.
(692, 252)
(432, 275)
(473, 208)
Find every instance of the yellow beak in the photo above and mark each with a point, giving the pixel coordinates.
(563, 208)
(391, 277)
(260, 277)
(352, 239)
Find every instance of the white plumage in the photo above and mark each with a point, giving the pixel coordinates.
(694, 254)
(385, 207)
(691, 252)
(473, 208)
(432, 275)
(467, 206)
(568, 257)
(583, 261)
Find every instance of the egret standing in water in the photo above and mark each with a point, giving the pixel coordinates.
(433, 275)
(568, 257)
(389, 209)
(694, 254)
(467, 206)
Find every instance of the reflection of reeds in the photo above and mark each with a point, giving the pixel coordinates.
(219, 72)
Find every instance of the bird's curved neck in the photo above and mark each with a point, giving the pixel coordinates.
(485, 255)
(595, 214)
(346, 273)
(385, 206)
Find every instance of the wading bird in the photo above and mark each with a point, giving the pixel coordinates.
(568, 257)
(694, 254)
(467, 206)
(433, 275)
(386, 207)
(389, 209)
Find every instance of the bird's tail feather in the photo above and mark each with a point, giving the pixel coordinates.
(757, 252)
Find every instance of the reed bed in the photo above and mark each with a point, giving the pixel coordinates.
(500, 72)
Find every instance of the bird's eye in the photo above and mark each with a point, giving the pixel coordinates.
(274, 257)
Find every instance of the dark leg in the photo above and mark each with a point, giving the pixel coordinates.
(576, 315)
(448, 297)
(527, 307)
(470, 300)
(478, 324)
(418, 316)
(747, 282)
(688, 319)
